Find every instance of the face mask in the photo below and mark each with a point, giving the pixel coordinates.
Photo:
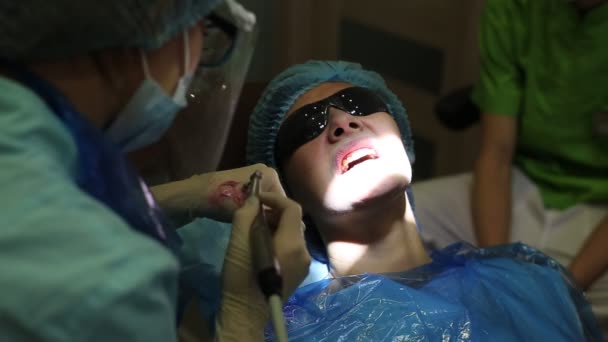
(150, 111)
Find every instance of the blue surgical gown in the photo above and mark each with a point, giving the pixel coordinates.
(505, 293)
(70, 269)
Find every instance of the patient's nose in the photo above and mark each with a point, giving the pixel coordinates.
(342, 124)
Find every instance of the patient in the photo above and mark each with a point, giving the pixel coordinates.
(341, 142)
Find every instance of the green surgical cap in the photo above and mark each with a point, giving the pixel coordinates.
(292, 83)
(46, 29)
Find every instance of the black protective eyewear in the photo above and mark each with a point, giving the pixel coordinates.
(307, 123)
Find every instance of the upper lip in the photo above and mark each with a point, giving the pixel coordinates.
(350, 147)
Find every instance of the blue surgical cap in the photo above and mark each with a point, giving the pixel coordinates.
(292, 83)
(281, 94)
(45, 29)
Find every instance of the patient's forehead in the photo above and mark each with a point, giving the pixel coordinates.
(317, 93)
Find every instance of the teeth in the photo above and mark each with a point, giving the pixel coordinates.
(358, 154)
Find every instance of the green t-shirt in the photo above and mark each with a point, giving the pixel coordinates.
(547, 64)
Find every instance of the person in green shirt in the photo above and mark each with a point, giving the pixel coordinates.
(541, 176)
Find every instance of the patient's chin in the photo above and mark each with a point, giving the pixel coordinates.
(348, 193)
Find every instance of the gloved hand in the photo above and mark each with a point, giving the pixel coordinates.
(214, 195)
(244, 312)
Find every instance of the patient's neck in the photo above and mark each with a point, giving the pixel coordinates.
(376, 240)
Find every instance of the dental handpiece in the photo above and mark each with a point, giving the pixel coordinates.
(260, 238)
(265, 266)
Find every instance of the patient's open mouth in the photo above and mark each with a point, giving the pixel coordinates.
(355, 158)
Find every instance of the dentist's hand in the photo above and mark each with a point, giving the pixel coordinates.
(228, 190)
(244, 312)
(215, 195)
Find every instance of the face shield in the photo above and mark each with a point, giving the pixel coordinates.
(195, 142)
